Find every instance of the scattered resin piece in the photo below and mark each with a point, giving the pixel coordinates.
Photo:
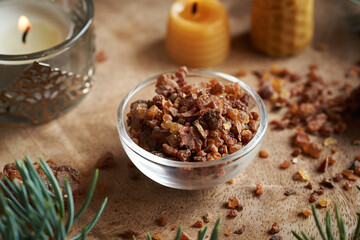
(206, 218)
(285, 164)
(303, 174)
(259, 189)
(330, 141)
(320, 191)
(233, 202)
(198, 224)
(290, 192)
(327, 183)
(296, 152)
(233, 213)
(348, 174)
(312, 149)
(157, 236)
(347, 186)
(276, 238)
(275, 228)
(240, 230)
(324, 165)
(334, 149)
(231, 181)
(338, 177)
(241, 73)
(306, 212)
(313, 197)
(163, 220)
(324, 202)
(185, 236)
(264, 154)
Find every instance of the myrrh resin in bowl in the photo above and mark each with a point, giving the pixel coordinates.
(193, 173)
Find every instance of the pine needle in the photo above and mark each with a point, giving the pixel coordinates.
(340, 223)
(355, 2)
(297, 235)
(215, 232)
(90, 195)
(149, 236)
(202, 233)
(328, 226)
(357, 231)
(317, 221)
(178, 235)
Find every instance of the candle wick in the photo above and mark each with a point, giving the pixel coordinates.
(194, 8)
(25, 34)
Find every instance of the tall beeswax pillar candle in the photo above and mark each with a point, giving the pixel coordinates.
(282, 27)
(198, 33)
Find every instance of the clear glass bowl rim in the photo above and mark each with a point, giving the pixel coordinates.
(61, 46)
(172, 163)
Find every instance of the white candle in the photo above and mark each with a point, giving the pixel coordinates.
(50, 26)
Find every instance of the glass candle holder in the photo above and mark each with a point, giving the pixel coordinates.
(39, 86)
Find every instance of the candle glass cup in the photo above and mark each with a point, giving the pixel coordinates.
(38, 87)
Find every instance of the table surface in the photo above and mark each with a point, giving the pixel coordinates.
(131, 34)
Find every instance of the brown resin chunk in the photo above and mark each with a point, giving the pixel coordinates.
(348, 174)
(233, 213)
(264, 154)
(233, 203)
(198, 224)
(10, 171)
(163, 220)
(327, 183)
(128, 234)
(184, 236)
(275, 228)
(259, 189)
(338, 177)
(206, 218)
(106, 161)
(296, 152)
(290, 192)
(276, 238)
(240, 230)
(285, 164)
(347, 186)
(313, 197)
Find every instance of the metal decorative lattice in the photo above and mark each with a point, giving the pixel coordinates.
(42, 93)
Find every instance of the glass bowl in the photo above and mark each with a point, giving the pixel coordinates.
(190, 175)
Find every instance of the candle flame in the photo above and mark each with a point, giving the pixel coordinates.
(23, 24)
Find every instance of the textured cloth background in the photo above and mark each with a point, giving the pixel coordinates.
(131, 33)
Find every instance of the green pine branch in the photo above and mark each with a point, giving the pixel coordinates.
(201, 233)
(32, 211)
(328, 226)
(355, 1)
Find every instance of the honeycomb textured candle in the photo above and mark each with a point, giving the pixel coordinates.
(198, 33)
(282, 27)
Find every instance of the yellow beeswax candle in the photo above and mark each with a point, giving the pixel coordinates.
(282, 27)
(198, 33)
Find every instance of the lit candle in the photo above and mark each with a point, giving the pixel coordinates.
(198, 33)
(31, 26)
